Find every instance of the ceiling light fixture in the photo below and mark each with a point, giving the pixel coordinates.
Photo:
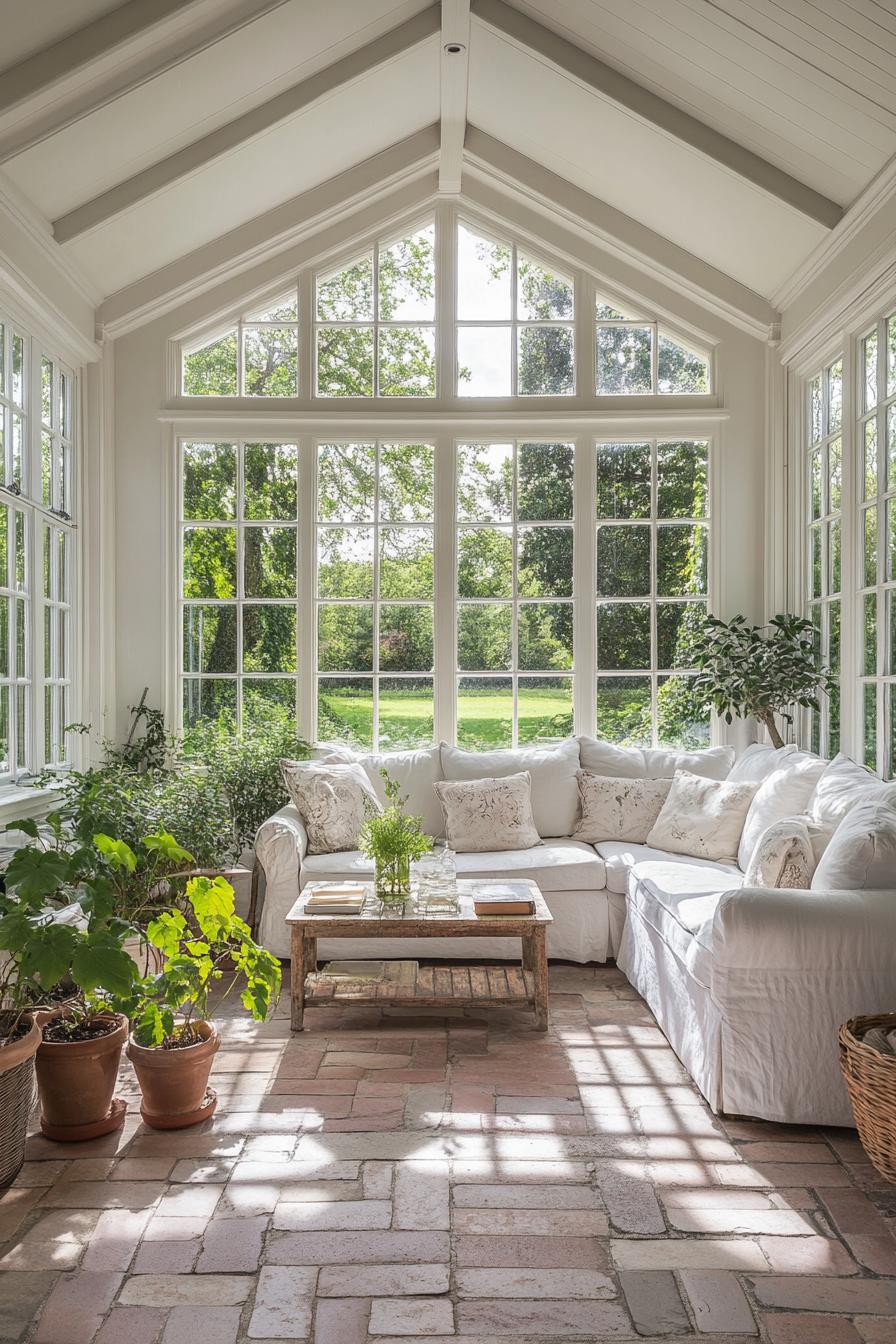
(454, 48)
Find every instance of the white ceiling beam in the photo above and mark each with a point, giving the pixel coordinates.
(453, 74)
(610, 83)
(37, 104)
(235, 133)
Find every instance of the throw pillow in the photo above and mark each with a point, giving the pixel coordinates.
(604, 758)
(702, 817)
(862, 854)
(334, 801)
(551, 768)
(618, 809)
(783, 793)
(841, 786)
(415, 772)
(488, 814)
(757, 762)
(782, 857)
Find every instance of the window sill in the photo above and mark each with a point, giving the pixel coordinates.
(18, 801)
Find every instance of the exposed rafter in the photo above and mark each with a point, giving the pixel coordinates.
(253, 123)
(611, 84)
(454, 73)
(39, 112)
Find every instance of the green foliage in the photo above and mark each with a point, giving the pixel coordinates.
(147, 751)
(393, 841)
(759, 670)
(205, 945)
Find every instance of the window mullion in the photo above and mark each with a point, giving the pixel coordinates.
(445, 589)
(584, 585)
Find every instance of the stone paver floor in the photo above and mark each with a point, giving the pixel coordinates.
(400, 1179)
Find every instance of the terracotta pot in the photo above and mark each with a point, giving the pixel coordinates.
(76, 1079)
(16, 1095)
(174, 1083)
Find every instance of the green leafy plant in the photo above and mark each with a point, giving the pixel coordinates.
(149, 750)
(759, 670)
(393, 840)
(203, 944)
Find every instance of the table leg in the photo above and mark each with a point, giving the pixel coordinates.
(310, 956)
(297, 977)
(536, 955)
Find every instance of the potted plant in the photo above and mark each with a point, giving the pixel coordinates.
(757, 670)
(172, 1043)
(393, 841)
(19, 1039)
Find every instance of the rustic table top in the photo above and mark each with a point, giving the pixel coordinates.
(411, 922)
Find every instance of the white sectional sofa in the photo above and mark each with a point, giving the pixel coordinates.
(749, 985)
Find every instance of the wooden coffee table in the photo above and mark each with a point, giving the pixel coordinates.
(503, 986)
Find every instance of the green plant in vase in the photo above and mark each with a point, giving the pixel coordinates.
(393, 840)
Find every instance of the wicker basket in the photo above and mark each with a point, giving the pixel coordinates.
(17, 1087)
(871, 1081)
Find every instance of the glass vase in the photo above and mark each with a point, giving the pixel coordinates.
(392, 880)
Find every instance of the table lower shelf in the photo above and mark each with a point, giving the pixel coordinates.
(458, 986)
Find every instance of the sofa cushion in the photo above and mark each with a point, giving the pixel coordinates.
(333, 799)
(782, 857)
(841, 785)
(757, 762)
(785, 792)
(618, 809)
(620, 857)
(679, 901)
(557, 865)
(703, 817)
(482, 815)
(604, 758)
(552, 769)
(416, 772)
(862, 854)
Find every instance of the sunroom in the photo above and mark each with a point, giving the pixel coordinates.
(447, 671)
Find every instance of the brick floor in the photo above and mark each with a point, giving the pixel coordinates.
(398, 1177)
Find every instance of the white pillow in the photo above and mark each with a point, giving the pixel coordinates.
(783, 793)
(757, 762)
(415, 772)
(333, 799)
(782, 857)
(555, 793)
(841, 786)
(862, 854)
(604, 758)
(483, 815)
(702, 817)
(618, 809)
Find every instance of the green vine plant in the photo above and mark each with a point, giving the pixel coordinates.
(393, 840)
(759, 670)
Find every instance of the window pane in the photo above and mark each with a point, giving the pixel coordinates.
(891, 538)
(344, 638)
(211, 371)
(680, 370)
(623, 480)
(345, 562)
(545, 562)
(5, 617)
(870, 459)
(270, 480)
(345, 361)
(345, 709)
(891, 446)
(210, 562)
(483, 362)
(835, 474)
(890, 763)
(407, 276)
(623, 561)
(406, 482)
(485, 482)
(271, 361)
(405, 639)
(680, 560)
(869, 720)
(870, 548)
(680, 719)
(834, 557)
(623, 710)
(623, 635)
(209, 700)
(483, 276)
(545, 708)
(209, 639)
(544, 632)
(891, 625)
(46, 391)
(835, 396)
(816, 409)
(407, 362)
(676, 623)
(545, 481)
(541, 294)
(345, 482)
(269, 568)
(406, 562)
(681, 490)
(347, 295)
(545, 362)
(209, 480)
(46, 468)
(869, 360)
(405, 713)
(285, 309)
(623, 360)
(891, 355)
(269, 638)
(271, 700)
(484, 712)
(484, 637)
(815, 561)
(485, 562)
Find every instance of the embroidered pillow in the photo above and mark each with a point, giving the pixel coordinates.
(488, 814)
(782, 856)
(334, 801)
(702, 817)
(618, 809)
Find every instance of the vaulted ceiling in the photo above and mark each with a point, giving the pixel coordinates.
(740, 131)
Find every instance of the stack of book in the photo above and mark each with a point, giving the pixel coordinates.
(503, 898)
(336, 898)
